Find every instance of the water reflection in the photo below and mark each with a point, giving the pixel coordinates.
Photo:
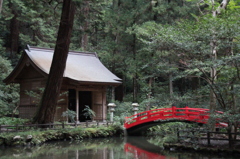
(86, 149)
(142, 154)
(142, 149)
(111, 148)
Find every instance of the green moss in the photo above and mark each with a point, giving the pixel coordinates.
(40, 137)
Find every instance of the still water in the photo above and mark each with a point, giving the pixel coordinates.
(110, 148)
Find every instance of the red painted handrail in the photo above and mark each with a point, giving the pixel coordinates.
(198, 115)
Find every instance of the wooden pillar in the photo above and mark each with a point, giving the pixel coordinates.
(103, 105)
(77, 105)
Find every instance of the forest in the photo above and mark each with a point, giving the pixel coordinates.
(167, 52)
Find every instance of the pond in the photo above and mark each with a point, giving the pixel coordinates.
(107, 148)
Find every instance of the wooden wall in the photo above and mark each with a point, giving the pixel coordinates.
(99, 105)
(28, 104)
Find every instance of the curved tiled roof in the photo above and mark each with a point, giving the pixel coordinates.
(80, 66)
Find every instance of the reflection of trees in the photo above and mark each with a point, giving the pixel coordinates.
(108, 148)
(140, 148)
(92, 148)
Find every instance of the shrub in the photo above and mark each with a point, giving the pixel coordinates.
(12, 121)
(9, 95)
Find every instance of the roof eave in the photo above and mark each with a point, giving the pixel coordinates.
(10, 78)
(117, 83)
(24, 60)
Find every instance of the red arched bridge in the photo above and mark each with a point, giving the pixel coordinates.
(135, 123)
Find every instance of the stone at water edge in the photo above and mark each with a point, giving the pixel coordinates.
(29, 138)
(18, 137)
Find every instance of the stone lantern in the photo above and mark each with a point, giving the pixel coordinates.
(111, 110)
(135, 108)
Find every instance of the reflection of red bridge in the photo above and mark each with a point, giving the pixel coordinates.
(150, 118)
(142, 154)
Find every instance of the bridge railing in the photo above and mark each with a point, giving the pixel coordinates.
(199, 115)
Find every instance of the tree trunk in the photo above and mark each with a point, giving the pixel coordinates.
(115, 52)
(135, 88)
(222, 6)
(84, 40)
(47, 109)
(170, 86)
(213, 100)
(14, 35)
(213, 71)
(149, 95)
(1, 2)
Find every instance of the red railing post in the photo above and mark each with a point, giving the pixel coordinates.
(186, 111)
(173, 111)
(148, 114)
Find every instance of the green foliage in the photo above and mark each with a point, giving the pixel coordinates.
(166, 132)
(36, 95)
(122, 110)
(9, 96)
(231, 117)
(39, 21)
(12, 121)
(185, 49)
(70, 115)
(156, 43)
(88, 112)
(167, 128)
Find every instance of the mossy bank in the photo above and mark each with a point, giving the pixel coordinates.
(31, 138)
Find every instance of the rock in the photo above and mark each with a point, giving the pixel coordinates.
(17, 141)
(17, 138)
(172, 149)
(187, 140)
(29, 138)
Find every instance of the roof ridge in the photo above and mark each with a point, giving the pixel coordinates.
(29, 48)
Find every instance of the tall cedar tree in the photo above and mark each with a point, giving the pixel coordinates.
(47, 109)
(1, 2)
